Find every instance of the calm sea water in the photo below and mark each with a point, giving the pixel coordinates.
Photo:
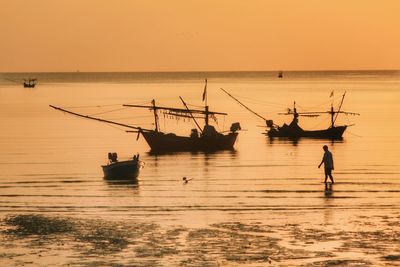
(50, 166)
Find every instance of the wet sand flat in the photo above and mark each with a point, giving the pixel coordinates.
(364, 240)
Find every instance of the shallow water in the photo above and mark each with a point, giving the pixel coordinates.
(263, 203)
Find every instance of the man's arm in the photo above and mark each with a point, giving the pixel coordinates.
(321, 162)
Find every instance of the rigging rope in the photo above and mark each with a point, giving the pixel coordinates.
(138, 103)
(108, 111)
(317, 124)
(95, 106)
(131, 117)
(356, 135)
(256, 101)
(108, 105)
(197, 106)
(124, 118)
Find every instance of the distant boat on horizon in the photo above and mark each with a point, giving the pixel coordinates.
(30, 83)
(280, 74)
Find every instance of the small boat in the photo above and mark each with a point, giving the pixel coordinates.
(122, 170)
(280, 75)
(200, 139)
(294, 131)
(30, 83)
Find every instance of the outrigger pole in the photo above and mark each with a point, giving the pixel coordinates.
(98, 119)
(198, 126)
(340, 106)
(243, 105)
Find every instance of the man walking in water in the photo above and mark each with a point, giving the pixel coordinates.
(327, 160)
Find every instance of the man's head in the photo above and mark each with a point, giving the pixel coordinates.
(325, 147)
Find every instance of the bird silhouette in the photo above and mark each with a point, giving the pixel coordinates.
(186, 180)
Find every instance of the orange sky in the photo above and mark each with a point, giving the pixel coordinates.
(190, 35)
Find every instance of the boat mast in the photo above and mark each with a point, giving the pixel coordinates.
(295, 114)
(332, 115)
(153, 102)
(205, 92)
(206, 115)
(206, 106)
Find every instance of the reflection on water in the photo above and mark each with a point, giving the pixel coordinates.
(193, 154)
(296, 141)
(329, 203)
(263, 202)
(133, 183)
(328, 190)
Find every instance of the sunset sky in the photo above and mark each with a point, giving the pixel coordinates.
(191, 35)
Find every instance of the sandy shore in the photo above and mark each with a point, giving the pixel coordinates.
(37, 240)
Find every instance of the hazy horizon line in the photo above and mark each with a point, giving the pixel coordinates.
(206, 71)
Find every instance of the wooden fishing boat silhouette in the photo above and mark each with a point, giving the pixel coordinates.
(122, 170)
(293, 130)
(200, 139)
(30, 83)
(27, 83)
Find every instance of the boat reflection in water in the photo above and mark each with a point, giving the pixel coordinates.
(122, 170)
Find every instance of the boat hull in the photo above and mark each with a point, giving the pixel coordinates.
(330, 133)
(160, 142)
(122, 170)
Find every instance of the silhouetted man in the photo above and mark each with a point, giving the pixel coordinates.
(327, 160)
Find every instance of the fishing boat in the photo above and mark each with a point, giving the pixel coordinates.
(294, 131)
(30, 83)
(200, 139)
(122, 170)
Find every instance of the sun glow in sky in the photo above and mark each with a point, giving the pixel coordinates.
(206, 35)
